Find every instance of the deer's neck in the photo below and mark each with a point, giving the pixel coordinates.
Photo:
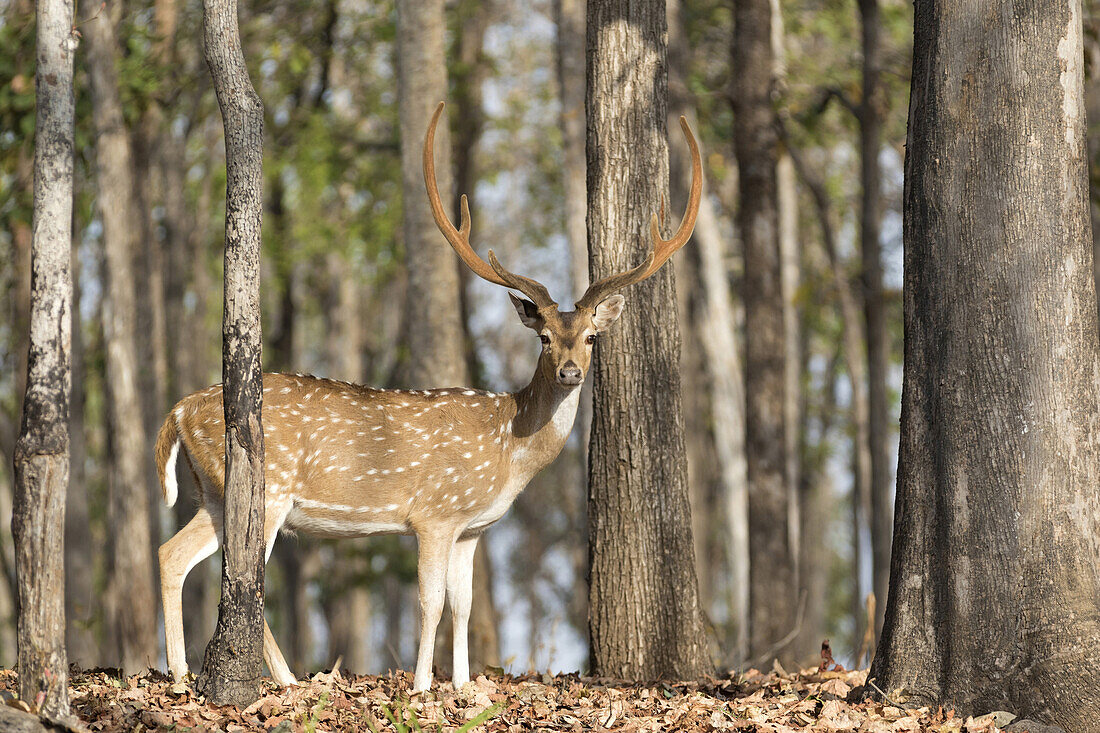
(544, 416)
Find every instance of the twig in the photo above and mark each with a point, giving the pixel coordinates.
(100, 9)
(887, 698)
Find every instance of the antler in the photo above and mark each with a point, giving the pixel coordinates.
(662, 248)
(460, 238)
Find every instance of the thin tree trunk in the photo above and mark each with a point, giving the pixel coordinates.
(786, 198)
(233, 662)
(852, 348)
(571, 85)
(703, 466)
(644, 616)
(42, 451)
(570, 59)
(80, 548)
(881, 490)
(150, 318)
(472, 68)
(130, 597)
(773, 590)
(348, 613)
(995, 572)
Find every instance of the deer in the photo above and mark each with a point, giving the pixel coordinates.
(344, 460)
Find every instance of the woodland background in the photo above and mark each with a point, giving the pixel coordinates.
(334, 302)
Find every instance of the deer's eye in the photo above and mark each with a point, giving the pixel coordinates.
(590, 338)
(544, 339)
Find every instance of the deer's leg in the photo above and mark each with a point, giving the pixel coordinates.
(194, 543)
(433, 555)
(460, 573)
(274, 516)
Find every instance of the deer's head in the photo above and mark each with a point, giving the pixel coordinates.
(567, 337)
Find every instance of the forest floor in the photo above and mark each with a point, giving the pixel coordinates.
(776, 702)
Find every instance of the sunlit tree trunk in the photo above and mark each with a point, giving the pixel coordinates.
(995, 572)
(42, 451)
(644, 616)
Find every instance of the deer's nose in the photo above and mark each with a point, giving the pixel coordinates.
(570, 374)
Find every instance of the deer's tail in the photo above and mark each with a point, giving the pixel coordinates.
(166, 452)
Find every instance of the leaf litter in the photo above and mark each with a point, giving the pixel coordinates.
(827, 699)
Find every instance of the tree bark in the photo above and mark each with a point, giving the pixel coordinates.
(42, 450)
(995, 573)
(233, 663)
(772, 560)
(644, 615)
(435, 333)
(881, 490)
(131, 600)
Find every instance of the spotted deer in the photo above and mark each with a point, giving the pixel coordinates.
(344, 460)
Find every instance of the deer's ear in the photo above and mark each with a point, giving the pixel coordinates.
(528, 312)
(608, 311)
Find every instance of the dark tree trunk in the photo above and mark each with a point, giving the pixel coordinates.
(130, 597)
(881, 492)
(233, 663)
(644, 616)
(995, 573)
(773, 593)
(42, 451)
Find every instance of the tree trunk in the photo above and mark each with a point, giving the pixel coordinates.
(702, 454)
(569, 15)
(435, 335)
(790, 255)
(233, 662)
(472, 68)
(348, 613)
(80, 547)
(569, 18)
(881, 491)
(852, 349)
(644, 615)
(130, 597)
(150, 320)
(42, 451)
(436, 339)
(995, 573)
(773, 591)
